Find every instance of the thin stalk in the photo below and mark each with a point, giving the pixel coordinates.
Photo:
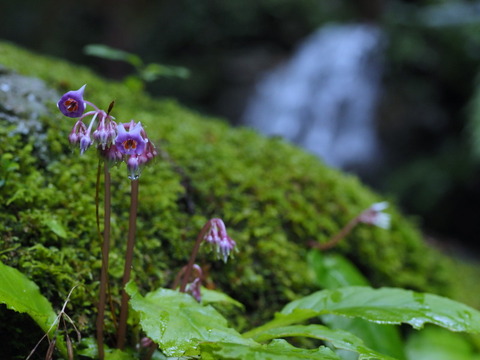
(150, 351)
(122, 322)
(188, 270)
(339, 236)
(104, 272)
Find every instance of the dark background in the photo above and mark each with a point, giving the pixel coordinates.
(429, 117)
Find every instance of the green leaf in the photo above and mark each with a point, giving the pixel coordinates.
(338, 338)
(153, 71)
(22, 295)
(384, 339)
(178, 324)
(116, 354)
(56, 227)
(334, 271)
(212, 296)
(438, 344)
(109, 53)
(382, 306)
(277, 349)
(88, 348)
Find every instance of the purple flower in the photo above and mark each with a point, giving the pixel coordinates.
(105, 132)
(374, 215)
(72, 104)
(218, 237)
(78, 130)
(193, 288)
(133, 167)
(130, 142)
(111, 154)
(85, 143)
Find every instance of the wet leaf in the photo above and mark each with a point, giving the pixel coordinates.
(338, 338)
(382, 306)
(277, 349)
(334, 271)
(22, 295)
(438, 344)
(178, 324)
(212, 296)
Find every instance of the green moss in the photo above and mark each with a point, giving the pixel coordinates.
(273, 197)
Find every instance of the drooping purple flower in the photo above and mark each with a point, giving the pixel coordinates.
(374, 215)
(193, 287)
(133, 167)
(218, 237)
(72, 104)
(130, 142)
(111, 154)
(106, 132)
(85, 143)
(78, 130)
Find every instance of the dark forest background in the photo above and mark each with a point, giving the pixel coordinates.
(429, 117)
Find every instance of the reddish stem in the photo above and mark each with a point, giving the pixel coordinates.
(339, 236)
(104, 272)
(193, 256)
(122, 322)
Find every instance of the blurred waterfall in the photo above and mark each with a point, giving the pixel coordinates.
(324, 98)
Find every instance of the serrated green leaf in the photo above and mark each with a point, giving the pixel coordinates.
(385, 339)
(382, 306)
(116, 354)
(212, 296)
(338, 338)
(277, 349)
(178, 324)
(22, 295)
(88, 348)
(334, 271)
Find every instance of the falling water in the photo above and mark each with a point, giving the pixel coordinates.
(324, 98)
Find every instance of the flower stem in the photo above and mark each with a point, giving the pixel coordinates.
(339, 236)
(104, 272)
(188, 270)
(122, 325)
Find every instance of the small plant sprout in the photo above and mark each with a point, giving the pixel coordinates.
(215, 233)
(374, 216)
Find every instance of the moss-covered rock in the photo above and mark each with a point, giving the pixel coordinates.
(273, 197)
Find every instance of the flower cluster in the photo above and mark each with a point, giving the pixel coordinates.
(374, 215)
(218, 237)
(126, 142)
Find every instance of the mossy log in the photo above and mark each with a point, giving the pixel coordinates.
(273, 197)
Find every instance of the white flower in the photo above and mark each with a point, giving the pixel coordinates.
(374, 215)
